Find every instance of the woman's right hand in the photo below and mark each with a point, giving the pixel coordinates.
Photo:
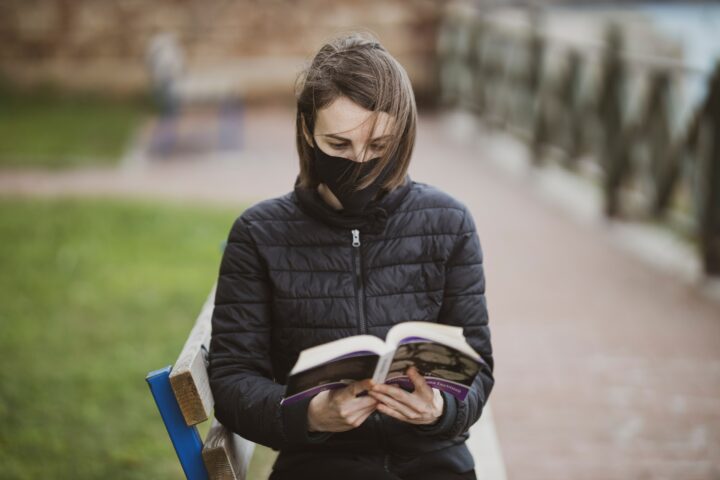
(340, 409)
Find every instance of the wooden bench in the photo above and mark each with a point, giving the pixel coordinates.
(182, 394)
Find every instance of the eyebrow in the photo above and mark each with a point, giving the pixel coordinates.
(338, 137)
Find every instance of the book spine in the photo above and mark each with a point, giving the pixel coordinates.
(383, 367)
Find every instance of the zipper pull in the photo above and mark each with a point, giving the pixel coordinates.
(356, 237)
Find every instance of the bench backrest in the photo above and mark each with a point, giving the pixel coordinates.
(182, 394)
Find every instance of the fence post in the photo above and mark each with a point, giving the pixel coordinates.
(710, 220)
(447, 52)
(572, 120)
(670, 156)
(536, 56)
(615, 154)
(475, 66)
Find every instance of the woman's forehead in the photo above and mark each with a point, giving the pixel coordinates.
(347, 119)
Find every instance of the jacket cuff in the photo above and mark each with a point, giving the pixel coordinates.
(446, 419)
(295, 423)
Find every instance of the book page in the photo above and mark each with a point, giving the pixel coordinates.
(449, 335)
(443, 367)
(327, 352)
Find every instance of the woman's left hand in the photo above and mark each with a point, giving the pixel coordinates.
(422, 407)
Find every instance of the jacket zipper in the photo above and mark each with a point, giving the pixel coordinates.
(357, 259)
(358, 275)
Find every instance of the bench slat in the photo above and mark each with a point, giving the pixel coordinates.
(185, 439)
(226, 455)
(189, 378)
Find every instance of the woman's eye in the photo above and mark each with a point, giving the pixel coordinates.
(344, 145)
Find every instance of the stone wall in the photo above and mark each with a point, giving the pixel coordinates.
(255, 47)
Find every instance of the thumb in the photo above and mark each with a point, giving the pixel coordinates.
(418, 380)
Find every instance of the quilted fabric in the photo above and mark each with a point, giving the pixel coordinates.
(290, 280)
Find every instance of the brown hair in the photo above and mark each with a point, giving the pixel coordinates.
(357, 66)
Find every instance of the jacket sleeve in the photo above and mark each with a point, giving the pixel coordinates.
(464, 305)
(247, 399)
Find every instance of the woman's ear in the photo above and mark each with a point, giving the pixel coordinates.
(305, 131)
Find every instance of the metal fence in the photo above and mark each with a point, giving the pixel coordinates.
(656, 150)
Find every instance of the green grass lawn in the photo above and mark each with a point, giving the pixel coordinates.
(93, 295)
(44, 128)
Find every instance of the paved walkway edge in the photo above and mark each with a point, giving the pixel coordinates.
(483, 438)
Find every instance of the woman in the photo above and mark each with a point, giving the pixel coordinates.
(355, 248)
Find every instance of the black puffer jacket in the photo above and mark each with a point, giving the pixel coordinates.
(292, 277)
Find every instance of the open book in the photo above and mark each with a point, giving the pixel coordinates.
(439, 352)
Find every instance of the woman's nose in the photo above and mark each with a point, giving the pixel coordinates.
(358, 154)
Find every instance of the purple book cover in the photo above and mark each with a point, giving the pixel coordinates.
(459, 390)
(329, 375)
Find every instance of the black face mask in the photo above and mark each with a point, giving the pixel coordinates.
(336, 174)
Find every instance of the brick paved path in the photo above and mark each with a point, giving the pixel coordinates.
(607, 368)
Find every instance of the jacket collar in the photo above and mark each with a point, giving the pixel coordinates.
(372, 220)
